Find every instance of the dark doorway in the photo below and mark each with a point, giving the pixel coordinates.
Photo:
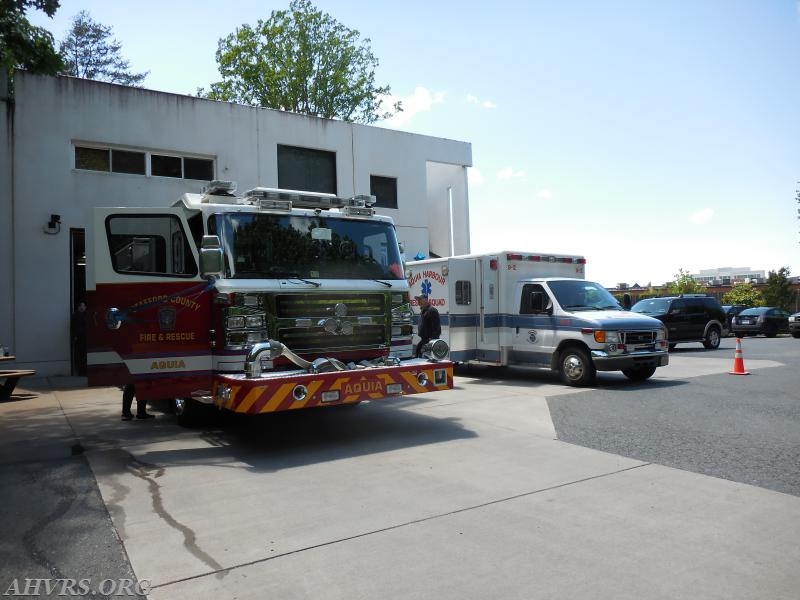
(77, 244)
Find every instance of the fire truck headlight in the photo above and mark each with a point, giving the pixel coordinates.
(254, 321)
(436, 350)
(253, 337)
(236, 322)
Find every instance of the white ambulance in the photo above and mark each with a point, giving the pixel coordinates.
(537, 310)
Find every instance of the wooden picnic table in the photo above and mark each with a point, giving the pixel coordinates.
(10, 377)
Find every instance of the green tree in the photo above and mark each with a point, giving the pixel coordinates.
(685, 284)
(24, 46)
(743, 293)
(778, 289)
(89, 53)
(301, 60)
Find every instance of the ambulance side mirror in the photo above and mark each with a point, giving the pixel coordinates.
(211, 257)
(540, 303)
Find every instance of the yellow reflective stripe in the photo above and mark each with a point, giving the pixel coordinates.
(251, 398)
(279, 397)
(338, 383)
(312, 390)
(411, 379)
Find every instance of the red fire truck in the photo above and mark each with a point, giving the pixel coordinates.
(269, 301)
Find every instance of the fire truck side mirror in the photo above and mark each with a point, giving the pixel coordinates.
(211, 257)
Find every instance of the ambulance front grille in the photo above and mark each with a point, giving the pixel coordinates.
(638, 338)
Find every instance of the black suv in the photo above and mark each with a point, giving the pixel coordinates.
(688, 318)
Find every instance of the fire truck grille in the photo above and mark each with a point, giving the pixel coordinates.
(316, 339)
(293, 306)
(635, 338)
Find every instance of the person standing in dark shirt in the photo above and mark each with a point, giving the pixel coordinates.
(429, 326)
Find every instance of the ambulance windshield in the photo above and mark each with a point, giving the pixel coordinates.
(263, 246)
(577, 294)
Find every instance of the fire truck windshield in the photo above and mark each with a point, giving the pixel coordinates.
(263, 246)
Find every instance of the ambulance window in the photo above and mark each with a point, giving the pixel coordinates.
(526, 302)
(463, 292)
(149, 244)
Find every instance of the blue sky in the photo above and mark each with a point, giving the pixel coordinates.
(649, 136)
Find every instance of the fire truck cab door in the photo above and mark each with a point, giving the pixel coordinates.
(148, 305)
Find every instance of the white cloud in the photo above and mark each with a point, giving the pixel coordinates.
(472, 99)
(507, 173)
(544, 194)
(422, 100)
(474, 176)
(702, 216)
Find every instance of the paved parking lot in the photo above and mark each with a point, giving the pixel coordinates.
(509, 486)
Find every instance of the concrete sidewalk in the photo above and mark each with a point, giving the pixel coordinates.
(464, 494)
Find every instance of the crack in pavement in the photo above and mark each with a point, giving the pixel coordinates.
(400, 525)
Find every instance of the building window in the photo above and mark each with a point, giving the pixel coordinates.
(306, 169)
(93, 159)
(385, 191)
(181, 167)
(166, 166)
(463, 292)
(135, 162)
(123, 161)
(198, 168)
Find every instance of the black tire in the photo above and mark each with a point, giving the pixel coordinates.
(639, 374)
(575, 367)
(712, 339)
(796, 334)
(672, 346)
(771, 332)
(190, 413)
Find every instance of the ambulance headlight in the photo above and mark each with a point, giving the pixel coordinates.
(436, 350)
(602, 336)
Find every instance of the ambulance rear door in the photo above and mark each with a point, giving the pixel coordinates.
(489, 315)
(464, 305)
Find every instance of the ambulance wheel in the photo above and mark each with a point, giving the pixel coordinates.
(576, 367)
(639, 374)
(189, 412)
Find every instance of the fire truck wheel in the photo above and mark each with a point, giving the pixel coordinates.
(189, 412)
(576, 367)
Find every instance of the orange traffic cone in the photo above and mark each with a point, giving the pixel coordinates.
(738, 361)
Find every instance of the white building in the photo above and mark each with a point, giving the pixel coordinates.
(71, 144)
(729, 276)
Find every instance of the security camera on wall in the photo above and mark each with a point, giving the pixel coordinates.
(53, 225)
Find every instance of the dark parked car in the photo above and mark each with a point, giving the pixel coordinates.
(764, 319)
(731, 310)
(688, 318)
(794, 325)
